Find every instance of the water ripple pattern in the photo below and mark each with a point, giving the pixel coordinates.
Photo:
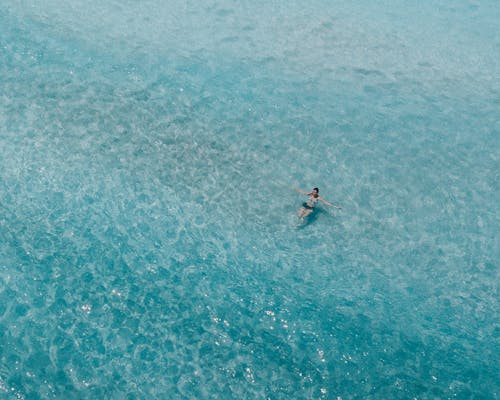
(149, 245)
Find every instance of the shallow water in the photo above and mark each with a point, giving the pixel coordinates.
(148, 239)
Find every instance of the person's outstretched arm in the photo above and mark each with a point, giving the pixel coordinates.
(328, 203)
(300, 191)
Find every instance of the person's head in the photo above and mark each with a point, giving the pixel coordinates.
(315, 192)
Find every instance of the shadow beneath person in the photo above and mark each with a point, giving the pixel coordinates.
(310, 219)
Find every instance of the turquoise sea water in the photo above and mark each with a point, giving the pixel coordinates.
(148, 246)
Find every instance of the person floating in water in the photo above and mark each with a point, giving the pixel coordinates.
(308, 207)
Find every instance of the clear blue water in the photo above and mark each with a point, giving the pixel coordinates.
(148, 246)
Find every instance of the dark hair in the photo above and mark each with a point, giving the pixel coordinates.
(316, 190)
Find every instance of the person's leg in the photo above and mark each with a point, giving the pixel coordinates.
(304, 212)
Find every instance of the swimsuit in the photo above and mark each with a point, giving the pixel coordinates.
(308, 203)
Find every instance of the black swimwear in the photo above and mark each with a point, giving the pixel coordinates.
(305, 205)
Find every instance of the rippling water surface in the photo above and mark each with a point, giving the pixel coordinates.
(148, 239)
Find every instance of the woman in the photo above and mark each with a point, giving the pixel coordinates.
(308, 207)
